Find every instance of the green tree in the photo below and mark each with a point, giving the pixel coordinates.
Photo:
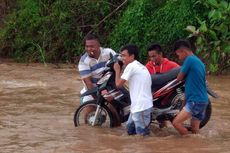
(153, 21)
(52, 30)
(213, 35)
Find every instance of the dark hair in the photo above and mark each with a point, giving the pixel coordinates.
(156, 47)
(132, 50)
(91, 36)
(182, 44)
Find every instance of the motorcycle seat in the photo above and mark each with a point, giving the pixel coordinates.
(158, 80)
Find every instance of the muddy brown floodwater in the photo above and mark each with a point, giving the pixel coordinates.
(37, 104)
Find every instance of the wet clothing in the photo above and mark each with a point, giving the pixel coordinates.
(139, 81)
(89, 66)
(195, 80)
(196, 109)
(138, 123)
(165, 66)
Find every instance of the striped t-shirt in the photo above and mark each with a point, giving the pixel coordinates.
(94, 67)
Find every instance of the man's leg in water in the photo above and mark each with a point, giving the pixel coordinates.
(179, 120)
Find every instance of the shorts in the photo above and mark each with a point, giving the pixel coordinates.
(138, 123)
(196, 109)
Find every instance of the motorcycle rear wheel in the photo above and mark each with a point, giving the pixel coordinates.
(85, 114)
(179, 104)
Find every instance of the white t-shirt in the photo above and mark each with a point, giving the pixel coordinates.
(139, 81)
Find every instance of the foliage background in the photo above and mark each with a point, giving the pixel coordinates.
(53, 30)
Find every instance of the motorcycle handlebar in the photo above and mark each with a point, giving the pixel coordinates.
(210, 92)
(114, 59)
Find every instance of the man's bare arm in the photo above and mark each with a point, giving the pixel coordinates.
(119, 82)
(180, 76)
(88, 83)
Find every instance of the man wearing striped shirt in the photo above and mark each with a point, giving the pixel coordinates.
(92, 63)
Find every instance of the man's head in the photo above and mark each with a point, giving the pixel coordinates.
(182, 48)
(155, 53)
(92, 45)
(129, 53)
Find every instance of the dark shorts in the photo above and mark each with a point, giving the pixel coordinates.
(196, 109)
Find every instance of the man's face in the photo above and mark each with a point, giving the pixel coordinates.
(126, 58)
(155, 57)
(180, 53)
(92, 47)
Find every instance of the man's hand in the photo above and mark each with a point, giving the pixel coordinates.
(116, 67)
(180, 77)
(119, 82)
(89, 85)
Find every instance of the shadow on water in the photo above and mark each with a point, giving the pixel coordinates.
(37, 104)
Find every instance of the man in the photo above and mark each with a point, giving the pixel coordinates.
(157, 63)
(92, 63)
(139, 82)
(193, 71)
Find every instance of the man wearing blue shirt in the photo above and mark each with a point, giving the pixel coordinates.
(193, 72)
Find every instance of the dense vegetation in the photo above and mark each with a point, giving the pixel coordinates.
(52, 30)
(213, 35)
(144, 22)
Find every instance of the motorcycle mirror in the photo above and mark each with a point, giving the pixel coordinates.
(111, 61)
(111, 55)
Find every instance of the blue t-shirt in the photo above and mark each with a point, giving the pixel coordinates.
(195, 80)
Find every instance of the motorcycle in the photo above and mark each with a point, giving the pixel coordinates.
(111, 107)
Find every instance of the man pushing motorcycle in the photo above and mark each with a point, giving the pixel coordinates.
(168, 98)
(92, 63)
(139, 81)
(193, 72)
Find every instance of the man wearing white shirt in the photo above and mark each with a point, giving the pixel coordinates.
(139, 82)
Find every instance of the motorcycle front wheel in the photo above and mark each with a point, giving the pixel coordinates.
(178, 102)
(85, 115)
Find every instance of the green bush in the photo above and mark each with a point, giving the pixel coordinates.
(52, 30)
(149, 21)
(213, 35)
